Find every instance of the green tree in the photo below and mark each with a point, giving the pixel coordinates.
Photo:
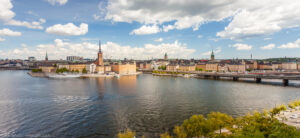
(219, 120)
(84, 70)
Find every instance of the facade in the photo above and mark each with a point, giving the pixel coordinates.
(201, 66)
(91, 68)
(124, 68)
(289, 66)
(276, 66)
(47, 69)
(172, 67)
(211, 67)
(60, 66)
(236, 67)
(186, 68)
(77, 67)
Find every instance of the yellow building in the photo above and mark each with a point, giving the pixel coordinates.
(211, 67)
(186, 68)
(172, 67)
(47, 69)
(289, 66)
(124, 68)
(276, 66)
(77, 67)
(201, 67)
(236, 67)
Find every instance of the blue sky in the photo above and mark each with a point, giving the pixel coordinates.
(138, 29)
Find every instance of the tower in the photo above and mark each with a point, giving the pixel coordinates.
(212, 56)
(100, 56)
(46, 57)
(166, 56)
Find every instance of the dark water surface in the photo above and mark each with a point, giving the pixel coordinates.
(101, 107)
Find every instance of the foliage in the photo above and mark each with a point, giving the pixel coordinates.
(294, 104)
(55, 65)
(256, 125)
(277, 110)
(84, 70)
(165, 135)
(62, 70)
(36, 70)
(127, 134)
(199, 69)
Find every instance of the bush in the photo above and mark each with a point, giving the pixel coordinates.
(84, 70)
(62, 70)
(127, 134)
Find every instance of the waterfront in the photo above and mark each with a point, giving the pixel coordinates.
(104, 106)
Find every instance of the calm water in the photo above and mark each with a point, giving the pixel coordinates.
(100, 107)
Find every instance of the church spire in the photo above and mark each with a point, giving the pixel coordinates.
(46, 57)
(100, 46)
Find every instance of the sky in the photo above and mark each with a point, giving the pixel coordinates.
(147, 29)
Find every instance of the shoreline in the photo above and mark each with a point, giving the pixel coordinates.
(47, 75)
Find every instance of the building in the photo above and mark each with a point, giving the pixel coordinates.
(201, 66)
(276, 66)
(77, 67)
(166, 56)
(31, 59)
(100, 56)
(211, 67)
(47, 69)
(186, 68)
(91, 68)
(289, 66)
(172, 67)
(212, 56)
(46, 57)
(236, 67)
(74, 58)
(124, 68)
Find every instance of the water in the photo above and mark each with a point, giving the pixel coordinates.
(101, 107)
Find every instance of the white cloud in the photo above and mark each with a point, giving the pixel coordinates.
(218, 50)
(7, 15)
(200, 36)
(159, 39)
(240, 46)
(146, 29)
(8, 32)
(290, 45)
(268, 47)
(60, 49)
(59, 2)
(247, 18)
(2, 39)
(96, 17)
(262, 18)
(68, 29)
(267, 38)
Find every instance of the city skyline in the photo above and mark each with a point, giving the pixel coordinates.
(149, 29)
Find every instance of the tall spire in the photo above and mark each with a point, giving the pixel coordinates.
(100, 46)
(46, 57)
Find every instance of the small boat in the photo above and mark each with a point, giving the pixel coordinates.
(64, 76)
(117, 76)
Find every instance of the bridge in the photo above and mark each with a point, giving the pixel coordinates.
(285, 77)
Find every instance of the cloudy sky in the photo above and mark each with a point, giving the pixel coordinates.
(145, 29)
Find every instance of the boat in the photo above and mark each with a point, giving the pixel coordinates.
(64, 75)
(117, 76)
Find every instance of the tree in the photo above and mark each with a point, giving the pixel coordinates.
(84, 71)
(219, 120)
(127, 134)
